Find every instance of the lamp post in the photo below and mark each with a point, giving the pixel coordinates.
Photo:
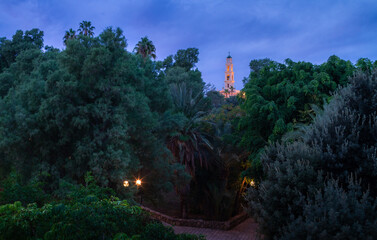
(138, 184)
(126, 183)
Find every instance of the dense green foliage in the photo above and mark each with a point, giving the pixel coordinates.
(95, 107)
(85, 214)
(92, 107)
(145, 48)
(15, 189)
(299, 198)
(279, 97)
(180, 70)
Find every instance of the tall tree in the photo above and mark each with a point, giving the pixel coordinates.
(279, 97)
(145, 48)
(88, 108)
(70, 34)
(187, 142)
(186, 58)
(21, 41)
(86, 28)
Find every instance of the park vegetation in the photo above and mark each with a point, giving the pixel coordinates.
(297, 147)
(312, 142)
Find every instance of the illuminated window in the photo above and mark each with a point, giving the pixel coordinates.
(227, 77)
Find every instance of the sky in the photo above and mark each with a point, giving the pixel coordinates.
(302, 30)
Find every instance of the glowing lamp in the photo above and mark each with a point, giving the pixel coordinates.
(126, 184)
(138, 182)
(252, 183)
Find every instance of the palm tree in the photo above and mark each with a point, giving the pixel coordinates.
(86, 28)
(226, 91)
(188, 143)
(231, 89)
(145, 48)
(70, 34)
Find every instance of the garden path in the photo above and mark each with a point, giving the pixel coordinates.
(244, 231)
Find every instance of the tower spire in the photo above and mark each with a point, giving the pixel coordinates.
(229, 89)
(229, 74)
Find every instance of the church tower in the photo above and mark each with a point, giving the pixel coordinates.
(229, 74)
(229, 90)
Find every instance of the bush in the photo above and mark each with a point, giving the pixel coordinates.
(14, 189)
(90, 218)
(298, 197)
(336, 213)
(81, 212)
(279, 196)
(158, 231)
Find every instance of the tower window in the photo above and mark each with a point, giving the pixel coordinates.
(227, 77)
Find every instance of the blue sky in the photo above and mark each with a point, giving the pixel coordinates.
(302, 30)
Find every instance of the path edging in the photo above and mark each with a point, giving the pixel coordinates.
(199, 223)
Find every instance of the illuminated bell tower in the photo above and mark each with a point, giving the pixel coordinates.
(229, 74)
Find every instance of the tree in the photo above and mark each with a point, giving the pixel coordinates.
(70, 34)
(231, 89)
(321, 176)
(86, 29)
(192, 78)
(226, 91)
(21, 41)
(88, 108)
(187, 142)
(186, 58)
(216, 98)
(280, 97)
(257, 64)
(145, 48)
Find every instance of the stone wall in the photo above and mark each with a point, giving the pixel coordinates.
(199, 223)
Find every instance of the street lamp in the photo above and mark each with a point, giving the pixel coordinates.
(252, 183)
(138, 182)
(126, 183)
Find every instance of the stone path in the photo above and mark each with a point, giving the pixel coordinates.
(245, 231)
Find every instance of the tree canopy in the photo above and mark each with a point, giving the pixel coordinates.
(279, 97)
(145, 48)
(89, 107)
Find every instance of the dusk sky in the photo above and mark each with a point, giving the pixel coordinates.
(297, 29)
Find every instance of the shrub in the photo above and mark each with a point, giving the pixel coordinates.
(158, 231)
(90, 218)
(14, 189)
(279, 196)
(298, 197)
(346, 133)
(336, 213)
(83, 212)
